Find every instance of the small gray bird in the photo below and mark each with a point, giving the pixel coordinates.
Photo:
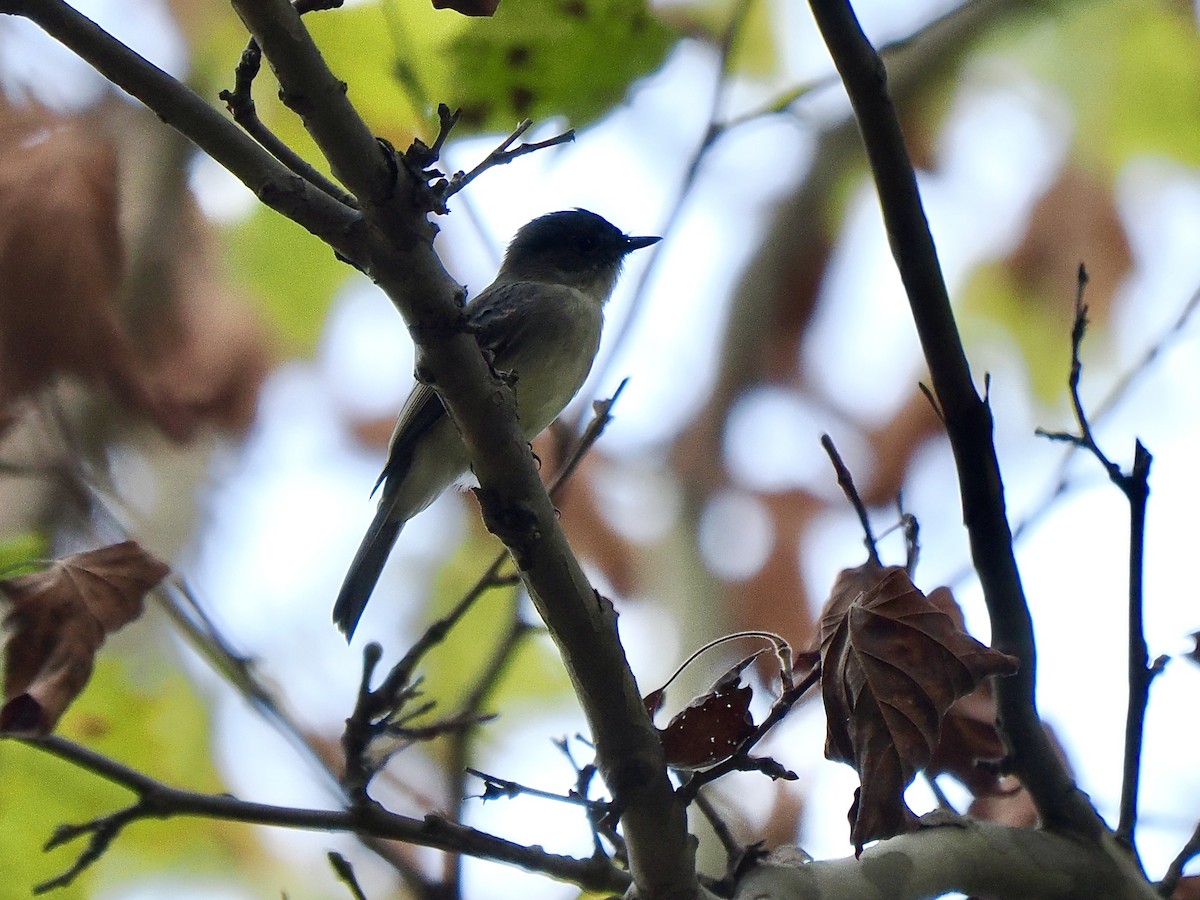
(540, 320)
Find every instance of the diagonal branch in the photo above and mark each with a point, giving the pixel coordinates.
(968, 420)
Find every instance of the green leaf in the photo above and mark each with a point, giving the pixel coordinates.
(1039, 325)
(23, 552)
(151, 722)
(1122, 65)
(541, 58)
(534, 674)
(291, 272)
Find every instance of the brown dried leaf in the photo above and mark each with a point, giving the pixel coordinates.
(892, 665)
(207, 350)
(712, 727)
(969, 744)
(59, 619)
(60, 257)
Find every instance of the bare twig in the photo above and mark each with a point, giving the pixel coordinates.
(156, 800)
(1190, 851)
(345, 874)
(495, 788)
(846, 483)
(182, 109)
(1135, 485)
(502, 156)
(968, 421)
(240, 103)
(374, 707)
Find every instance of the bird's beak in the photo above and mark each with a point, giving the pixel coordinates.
(637, 243)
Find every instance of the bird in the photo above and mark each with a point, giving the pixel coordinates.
(539, 322)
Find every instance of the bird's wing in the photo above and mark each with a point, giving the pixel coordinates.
(421, 412)
(498, 316)
(498, 322)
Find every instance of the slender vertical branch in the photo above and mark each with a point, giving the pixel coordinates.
(1135, 485)
(1137, 489)
(967, 416)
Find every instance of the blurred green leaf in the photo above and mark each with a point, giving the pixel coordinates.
(1039, 326)
(153, 722)
(1122, 65)
(21, 553)
(534, 673)
(292, 273)
(542, 58)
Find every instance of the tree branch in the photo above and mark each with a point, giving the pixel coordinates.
(1135, 485)
(392, 242)
(968, 421)
(157, 800)
(515, 503)
(969, 857)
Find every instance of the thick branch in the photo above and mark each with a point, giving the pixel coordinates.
(967, 416)
(973, 858)
(395, 249)
(309, 89)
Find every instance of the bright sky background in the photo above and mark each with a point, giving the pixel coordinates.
(288, 508)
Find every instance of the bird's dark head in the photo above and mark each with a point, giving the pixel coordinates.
(573, 247)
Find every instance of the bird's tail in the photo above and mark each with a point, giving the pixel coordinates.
(364, 571)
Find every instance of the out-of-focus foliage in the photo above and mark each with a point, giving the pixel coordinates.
(1124, 67)
(534, 676)
(147, 718)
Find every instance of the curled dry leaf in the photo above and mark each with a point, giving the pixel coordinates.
(969, 745)
(892, 665)
(712, 727)
(59, 619)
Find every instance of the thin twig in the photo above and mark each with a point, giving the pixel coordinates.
(345, 874)
(374, 707)
(240, 103)
(1100, 411)
(495, 788)
(1135, 486)
(846, 483)
(601, 819)
(741, 760)
(501, 156)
